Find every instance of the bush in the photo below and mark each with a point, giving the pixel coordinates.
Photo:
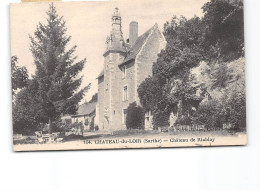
(237, 106)
(59, 126)
(226, 110)
(135, 117)
(210, 113)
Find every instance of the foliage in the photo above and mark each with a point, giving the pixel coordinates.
(27, 114)
(61, 126)
(215, 40)
(56, 82)
(172, 84)
(211, 114)
(148, 93)
(134, 117)
(19, 75)
(224, 31)
(228, 104)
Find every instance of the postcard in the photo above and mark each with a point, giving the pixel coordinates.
(127, 74)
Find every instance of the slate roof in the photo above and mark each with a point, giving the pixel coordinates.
(135, 49)
(100, 74)
(86, 109)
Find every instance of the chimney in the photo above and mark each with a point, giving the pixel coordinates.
(133, 32)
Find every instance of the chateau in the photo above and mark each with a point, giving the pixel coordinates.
(126, 65)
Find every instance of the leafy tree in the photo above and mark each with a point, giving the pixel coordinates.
(19, 75)
(27, 110)
(56, 72)
(134, 117)
(171, 88)
(228, 104)
(215, 39)
(224, 29)
(56, 82)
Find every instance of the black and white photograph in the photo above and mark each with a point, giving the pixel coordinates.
(129, 96)
(127, 74)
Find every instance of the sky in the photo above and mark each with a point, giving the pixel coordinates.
(89, 23)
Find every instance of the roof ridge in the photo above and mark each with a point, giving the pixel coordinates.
(150, 32)
(140, 41)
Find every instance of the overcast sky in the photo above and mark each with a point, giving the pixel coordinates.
(89, 23)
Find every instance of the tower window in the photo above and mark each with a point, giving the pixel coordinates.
(124, 116)
(124, 71)
(125, 93)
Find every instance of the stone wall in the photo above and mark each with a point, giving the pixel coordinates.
(149, 54)
(110, 101)
(100, 105)
(145, 59)
(128, 81)
(116, 92)
(110, 87)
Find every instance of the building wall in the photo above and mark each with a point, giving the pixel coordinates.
(110, 93)
(147, 56)
(100, 105)
(129, 81)
(116, 92)
(83, 119)
(145, 59)
(110, 88)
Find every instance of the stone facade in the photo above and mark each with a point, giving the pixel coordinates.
(126, 65)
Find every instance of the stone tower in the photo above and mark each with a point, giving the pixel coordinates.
(126, 66)
(113, 56)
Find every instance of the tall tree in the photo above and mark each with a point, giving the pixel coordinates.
(56, 70)
(171, 73)
(224, 29)
(216, 38)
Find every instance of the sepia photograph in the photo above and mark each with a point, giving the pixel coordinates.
(127, 74)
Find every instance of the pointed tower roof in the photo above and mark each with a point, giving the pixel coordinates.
(115, 41)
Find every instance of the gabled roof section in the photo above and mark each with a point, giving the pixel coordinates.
(135, 49)
(86, 109)
(101, 74)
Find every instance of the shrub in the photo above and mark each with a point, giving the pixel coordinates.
(214, 113)
(210, 113)
(59, 126)
(237, 106)
(135, 117)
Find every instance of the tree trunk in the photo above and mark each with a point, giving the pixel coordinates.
(50, 126)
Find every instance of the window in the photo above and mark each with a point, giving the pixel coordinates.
(148, 116)
(125, 93)
(124, 71)
(124, 116)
